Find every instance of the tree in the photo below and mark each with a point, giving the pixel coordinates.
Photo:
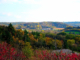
(65, 44)
(19, 34)
(49, 42)
(59, 44)
(26, 37)
(70, 36)
(70, 42)
(77, 39)
(62, 33)
(36, 34)
(6, 36)
(11, 29)
(41, 41)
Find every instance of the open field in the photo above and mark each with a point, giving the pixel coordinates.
(72, 32)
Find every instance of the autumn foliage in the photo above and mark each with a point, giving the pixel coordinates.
(22, 45)
(9, 53)
(46, 55)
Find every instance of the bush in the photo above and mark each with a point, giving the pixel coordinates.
(45, 55)
(27, 50)
(9, 53)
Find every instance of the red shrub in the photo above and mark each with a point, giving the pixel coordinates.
(45, 55)
(9, 53)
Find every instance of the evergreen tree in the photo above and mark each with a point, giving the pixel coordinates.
(65, 44)
(26, 37)
(19, 34)
(6, 36)
(11, 29)
(36, 34)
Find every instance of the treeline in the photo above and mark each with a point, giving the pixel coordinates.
(19, 39)
(41, 25)
(69, 41)
(36, 25)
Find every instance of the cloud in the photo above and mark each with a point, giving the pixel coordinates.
(11, 14)
(7, 14)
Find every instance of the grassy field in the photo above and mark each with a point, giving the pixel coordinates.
(72, 32)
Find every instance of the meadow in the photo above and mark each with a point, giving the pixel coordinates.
(75, 32)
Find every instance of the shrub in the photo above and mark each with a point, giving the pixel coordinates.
(27, 50)
(45, 55)
(9, 53)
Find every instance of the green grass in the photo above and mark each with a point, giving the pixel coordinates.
(73, 32)
(67, 32)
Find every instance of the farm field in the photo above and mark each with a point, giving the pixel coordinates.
(74, 32)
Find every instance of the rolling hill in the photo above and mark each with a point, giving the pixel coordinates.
(36, 25)
(75, 24)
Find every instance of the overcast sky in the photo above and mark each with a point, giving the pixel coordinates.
(39, 10)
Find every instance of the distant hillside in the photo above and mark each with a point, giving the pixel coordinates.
(72, 30)
(7, 23)
(75, 24)
(36, 25)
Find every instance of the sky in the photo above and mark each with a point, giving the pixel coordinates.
(39, 10)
